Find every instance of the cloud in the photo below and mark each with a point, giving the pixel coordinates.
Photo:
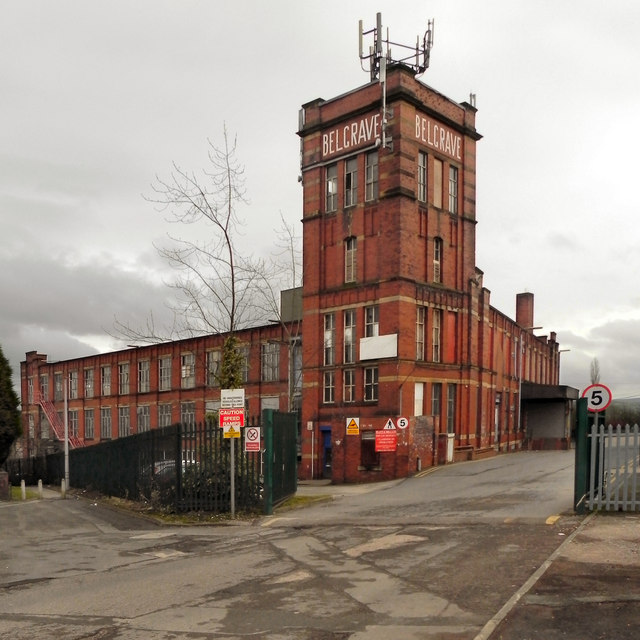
(98, 98)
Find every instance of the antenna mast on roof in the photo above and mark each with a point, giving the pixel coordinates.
(418, 59)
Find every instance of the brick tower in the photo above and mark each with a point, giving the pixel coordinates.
(391, 290)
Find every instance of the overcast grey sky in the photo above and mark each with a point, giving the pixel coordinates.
(100, 97)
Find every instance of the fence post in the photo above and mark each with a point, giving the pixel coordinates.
(582, 458)
(180, 434)
(267, 421)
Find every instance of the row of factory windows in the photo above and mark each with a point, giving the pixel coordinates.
(426, 164)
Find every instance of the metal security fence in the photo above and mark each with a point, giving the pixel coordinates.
(181, 468)
(614, 483)
(204, 481)
(178, 468)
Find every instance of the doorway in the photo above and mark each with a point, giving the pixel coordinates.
(326, 452)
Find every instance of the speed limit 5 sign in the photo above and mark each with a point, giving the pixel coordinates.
(598, 397)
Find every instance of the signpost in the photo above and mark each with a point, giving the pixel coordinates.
(232, 415)
(595, 398)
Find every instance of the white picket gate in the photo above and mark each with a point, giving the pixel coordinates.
(614, 484)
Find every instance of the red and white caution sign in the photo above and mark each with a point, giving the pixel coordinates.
(232, 421)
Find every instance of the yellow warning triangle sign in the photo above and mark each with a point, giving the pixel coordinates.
(230, 432)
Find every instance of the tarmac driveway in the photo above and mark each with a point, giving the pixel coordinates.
(430, 557)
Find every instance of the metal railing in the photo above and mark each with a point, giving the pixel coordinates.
(614, 483)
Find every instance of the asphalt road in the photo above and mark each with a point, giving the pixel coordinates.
(429, 557)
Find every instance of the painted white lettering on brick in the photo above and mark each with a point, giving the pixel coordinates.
(351, 136)
(438, 137)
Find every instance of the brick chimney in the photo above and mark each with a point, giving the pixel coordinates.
(524, 310)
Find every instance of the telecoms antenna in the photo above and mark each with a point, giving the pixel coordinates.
(418, 59)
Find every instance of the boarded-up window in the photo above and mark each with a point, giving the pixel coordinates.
(369, 458)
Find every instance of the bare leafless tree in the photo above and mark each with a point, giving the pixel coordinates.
(215, 284)
(282, 270)
(595, 371)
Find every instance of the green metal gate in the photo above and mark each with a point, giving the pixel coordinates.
(281, 459)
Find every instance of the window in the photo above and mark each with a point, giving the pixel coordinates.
(351, 182)
(213, 368)
(144, 384)
(105, 423)
(30, 390)
(329, 339)
(32, 427)
(270, 362)
(164, 415)
(436, 395)
(44, 427)
(437, 183)
(329, 386)
(164, 373)
(436, 334)
(124, 422)
(57, 387)
(73, 385)
(244, 355)
(123, 378)
(89, 428)
(105, 380)
(422, 176)
(369, 457)
(88, 383)
(437, 259)
(331, 188)
(453, 189)
(371, 384)
(371, 321)
(371, 176)
(421, 315)
(349, 386)
(451, 408)
(187, 371)
(44, 386)
(350, 259)
(73, 423)
(144, 419)
(295, 365)
(188, 413)
(418, 398)
(349, 336)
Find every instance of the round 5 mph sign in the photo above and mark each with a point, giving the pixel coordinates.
(598, 397)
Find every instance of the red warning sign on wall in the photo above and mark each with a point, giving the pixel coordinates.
(386, 440)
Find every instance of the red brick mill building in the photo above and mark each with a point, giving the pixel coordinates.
(401, 362)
